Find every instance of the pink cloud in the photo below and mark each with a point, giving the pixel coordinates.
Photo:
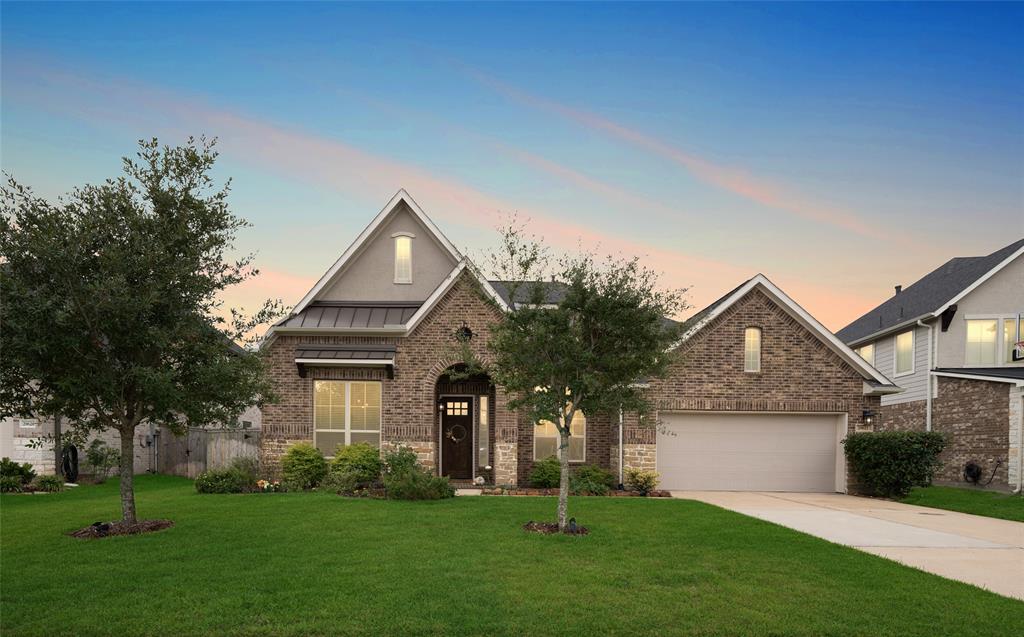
(331, 163)
(732, 180)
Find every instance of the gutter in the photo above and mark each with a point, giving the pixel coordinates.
(928, 395)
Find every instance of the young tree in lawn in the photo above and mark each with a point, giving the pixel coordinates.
(110, 303)
(588, 350)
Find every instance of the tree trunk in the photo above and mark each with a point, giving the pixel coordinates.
(127, 433)
(563, 484)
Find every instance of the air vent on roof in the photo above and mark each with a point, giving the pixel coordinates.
(899, 288)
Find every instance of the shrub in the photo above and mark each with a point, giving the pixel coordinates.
(102, 459)
(417, 484)
(222, 481)
(590, 479)
(22, 472)
(400, 461)
(404, 479)
(248, 466)
(50, 484)
(643, 482)
(303, 467)
(546, 473)
(11, 484)
(341, 482)
(891, 463)
(360, 462)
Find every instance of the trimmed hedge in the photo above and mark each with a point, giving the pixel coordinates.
(303, 467)
(891, 463)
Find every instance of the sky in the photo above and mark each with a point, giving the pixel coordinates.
(839, 149)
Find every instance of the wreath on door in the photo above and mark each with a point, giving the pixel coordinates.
(456, 433)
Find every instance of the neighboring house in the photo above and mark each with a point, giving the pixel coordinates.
(760, 398)
(950, 341)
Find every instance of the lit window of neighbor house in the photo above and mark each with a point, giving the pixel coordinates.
(982, 342)
(867, 352)
(904, 362)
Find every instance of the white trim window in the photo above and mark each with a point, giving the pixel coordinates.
(982, 342)
(1013, 332)
(867, 352)
(545, 439)
(403, 258)
(903, 353)
(345, 413)
(752, 349)
(483, 435)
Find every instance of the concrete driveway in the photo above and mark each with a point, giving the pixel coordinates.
(982, 551)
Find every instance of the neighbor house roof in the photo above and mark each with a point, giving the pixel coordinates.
(553, 291)
(931, 295)
(998, 374)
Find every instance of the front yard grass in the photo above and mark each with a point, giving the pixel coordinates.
(317, 564)
(975, 501)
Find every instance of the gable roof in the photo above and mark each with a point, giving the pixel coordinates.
(376, 317)
(700, 320)
(400, 197)
(931, 295)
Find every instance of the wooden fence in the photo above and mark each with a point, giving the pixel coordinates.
(201, 449)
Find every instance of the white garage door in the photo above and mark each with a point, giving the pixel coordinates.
(748, 452)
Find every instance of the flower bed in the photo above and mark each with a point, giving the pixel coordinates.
(535, 491)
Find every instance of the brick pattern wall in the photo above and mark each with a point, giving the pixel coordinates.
(409, 410)
(903, 416)
(798, 373)
(975, 415)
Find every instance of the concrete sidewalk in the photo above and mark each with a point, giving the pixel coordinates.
(982, 551)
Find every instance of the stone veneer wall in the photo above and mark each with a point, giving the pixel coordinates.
(409, 411)
(798, 373)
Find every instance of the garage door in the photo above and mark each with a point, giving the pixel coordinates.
(748, 452)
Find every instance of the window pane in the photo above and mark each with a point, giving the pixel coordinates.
(752, 349)
(1010, 338)
(483, 437)
(328, 441)
(577, 447)
(981, 342)
(904, 352)
(867, 352)
(544, 446)
(579, 424)
(545, 428)
(329, 404)
(403, 259)
(365, 410)
(372, 438)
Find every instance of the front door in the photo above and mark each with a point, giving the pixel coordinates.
(457, 438)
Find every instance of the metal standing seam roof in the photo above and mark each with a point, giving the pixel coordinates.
(926, 295)
(357, 315)
(326, 352)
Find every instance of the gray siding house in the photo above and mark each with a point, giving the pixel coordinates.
(953, 342)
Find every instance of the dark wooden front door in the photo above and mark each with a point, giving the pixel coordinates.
(457, 438)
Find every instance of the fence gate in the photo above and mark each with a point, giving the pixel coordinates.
(190, 454)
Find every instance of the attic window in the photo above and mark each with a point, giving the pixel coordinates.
(752, 349)
(403, 257)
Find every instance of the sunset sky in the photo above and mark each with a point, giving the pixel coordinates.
(838, 149)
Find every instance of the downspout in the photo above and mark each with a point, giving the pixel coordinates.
(622, 455)
(1020, 450)
(928, 395)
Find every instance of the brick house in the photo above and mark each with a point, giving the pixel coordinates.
(759, 397)
(952, 341)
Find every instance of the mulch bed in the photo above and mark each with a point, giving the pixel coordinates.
(106, 529)
(551, 528)
(533, 491)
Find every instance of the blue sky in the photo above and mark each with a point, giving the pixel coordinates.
(840, 149)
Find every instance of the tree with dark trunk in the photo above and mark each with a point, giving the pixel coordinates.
(581, 335)
(110, 304)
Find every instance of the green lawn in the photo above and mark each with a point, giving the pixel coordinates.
(976, 501)
(313, 564)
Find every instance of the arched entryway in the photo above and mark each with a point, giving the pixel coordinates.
(465, 424)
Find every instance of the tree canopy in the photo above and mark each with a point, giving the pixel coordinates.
(111, 302)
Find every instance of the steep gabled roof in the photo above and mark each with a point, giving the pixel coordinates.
(400, 197)
(931, 295)
(700, 320)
